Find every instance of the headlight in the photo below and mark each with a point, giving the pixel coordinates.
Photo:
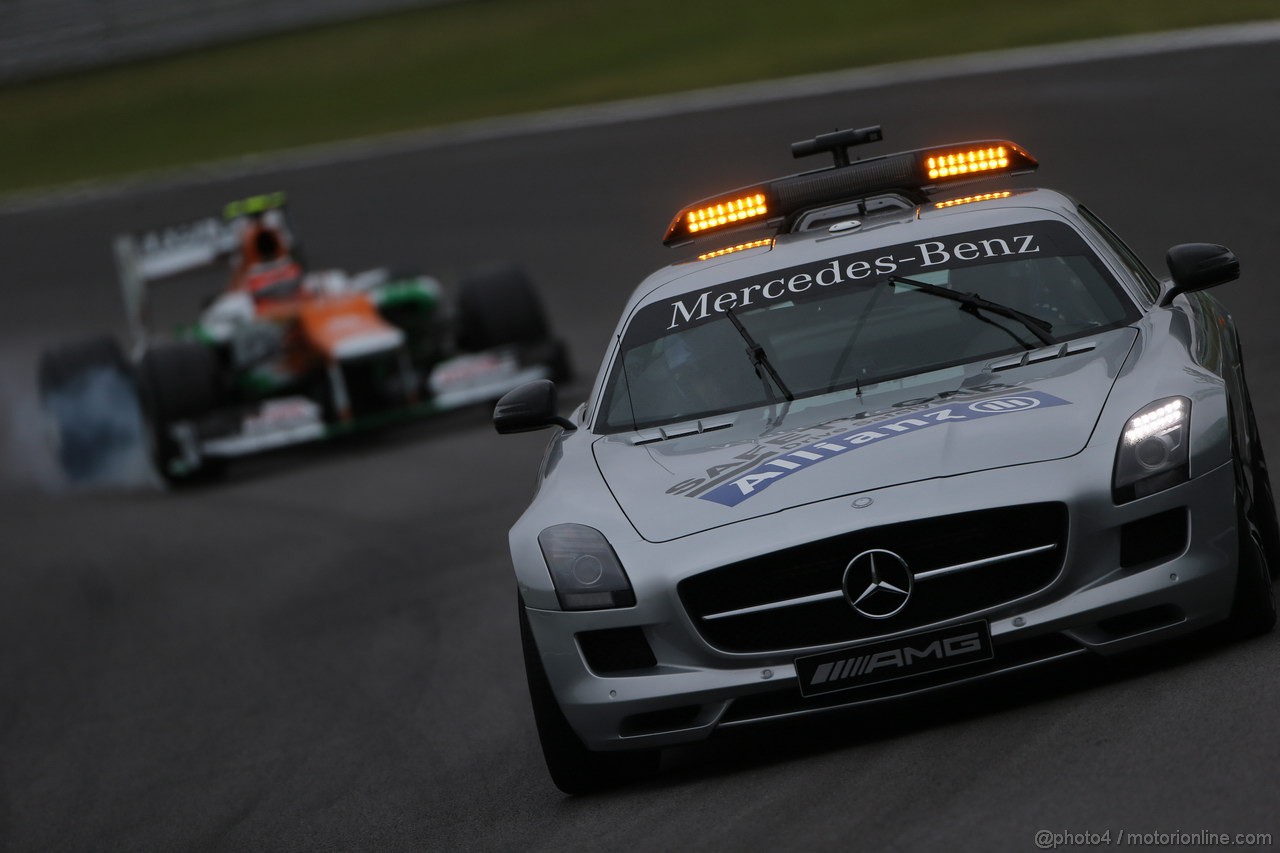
(1153, 450)
(585, 571)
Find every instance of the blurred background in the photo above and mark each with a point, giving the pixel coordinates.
(320, 652)
(99, 88)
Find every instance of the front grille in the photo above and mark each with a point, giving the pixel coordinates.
(793, 598)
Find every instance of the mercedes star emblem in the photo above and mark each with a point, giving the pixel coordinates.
(878, 583)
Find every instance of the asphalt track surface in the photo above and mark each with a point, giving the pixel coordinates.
(322, 652)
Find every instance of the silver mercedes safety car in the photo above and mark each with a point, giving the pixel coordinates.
(902, 438)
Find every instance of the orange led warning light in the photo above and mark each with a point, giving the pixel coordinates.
(969, 160)
(970, 199)
(729, 250)
(966, 162)
(728, 212)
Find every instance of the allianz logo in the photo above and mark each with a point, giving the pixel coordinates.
(1004, 404)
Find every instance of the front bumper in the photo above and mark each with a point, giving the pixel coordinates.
(1093, 606)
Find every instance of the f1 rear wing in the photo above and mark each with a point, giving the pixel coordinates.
(169, 252)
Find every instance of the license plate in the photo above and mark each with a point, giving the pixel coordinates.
(887, 660)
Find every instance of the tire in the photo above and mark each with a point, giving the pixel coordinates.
(555, 355)
(498, 306)
(1264, 501)
(1253, 610)
(88, 391)
(561, 364)
(574, 769)
(179, 382)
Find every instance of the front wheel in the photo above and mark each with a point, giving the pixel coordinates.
(1264, 502)
(1253, 610)
(180, 382)
(574, 769)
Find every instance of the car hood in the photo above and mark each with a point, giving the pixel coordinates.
(761, 461)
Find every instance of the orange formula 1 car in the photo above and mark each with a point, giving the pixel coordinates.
(282, 355)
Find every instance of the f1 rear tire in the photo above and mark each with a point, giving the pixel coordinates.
(574, 769)
(499, 306)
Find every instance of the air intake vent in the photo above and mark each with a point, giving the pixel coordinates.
(616, 650)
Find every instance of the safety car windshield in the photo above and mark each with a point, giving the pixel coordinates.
(856, 320)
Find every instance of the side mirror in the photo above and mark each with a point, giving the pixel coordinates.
(1199, 266)
(529, 407)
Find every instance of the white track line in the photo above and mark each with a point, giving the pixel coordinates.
(659, 106)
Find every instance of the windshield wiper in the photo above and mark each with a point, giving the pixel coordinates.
(759, 358)
(973, 303)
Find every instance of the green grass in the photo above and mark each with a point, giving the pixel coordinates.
(493, 57)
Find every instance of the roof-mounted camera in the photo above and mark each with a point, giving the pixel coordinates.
(837, 143)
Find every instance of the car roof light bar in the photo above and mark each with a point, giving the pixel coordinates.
(914, 174)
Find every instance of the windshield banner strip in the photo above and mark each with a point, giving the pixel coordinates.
(767, 473)
(1041, 239)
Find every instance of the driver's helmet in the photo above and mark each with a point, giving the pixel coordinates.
(267, 270)
(266, 244)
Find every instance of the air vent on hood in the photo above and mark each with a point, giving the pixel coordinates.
(679, 430)
(1043, 354)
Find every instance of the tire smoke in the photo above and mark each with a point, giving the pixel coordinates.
(88, 436)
